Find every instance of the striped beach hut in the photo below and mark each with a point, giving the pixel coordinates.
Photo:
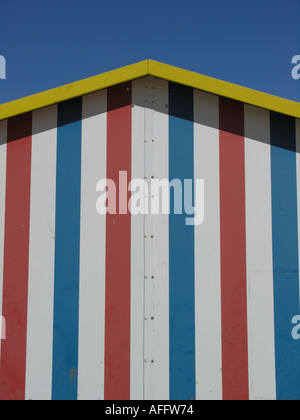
(145, 306)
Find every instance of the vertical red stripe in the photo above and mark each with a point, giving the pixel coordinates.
(118, 232)
(16, 255)
(233, 251)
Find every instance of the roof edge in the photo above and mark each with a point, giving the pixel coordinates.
(149, 68)
(73, 90)
(226, 89)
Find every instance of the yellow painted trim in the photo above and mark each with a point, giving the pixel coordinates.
(73, 90)
(221, 88)
(150, 68)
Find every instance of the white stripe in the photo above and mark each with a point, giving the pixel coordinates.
(207, 251)
(259, 254)
(161, 256)
(41, 255)
(92, 250)
(150, 240)
(3, 147)
(137, 249)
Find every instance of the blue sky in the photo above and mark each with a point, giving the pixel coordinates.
(247, 42)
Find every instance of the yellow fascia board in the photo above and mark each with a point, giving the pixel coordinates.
(149, 68)
(73, 90)
(221, 88)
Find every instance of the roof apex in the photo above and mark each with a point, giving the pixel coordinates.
(150, 68)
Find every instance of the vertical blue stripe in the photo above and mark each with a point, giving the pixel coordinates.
(181, 237)
(67, 242)
(285, 254)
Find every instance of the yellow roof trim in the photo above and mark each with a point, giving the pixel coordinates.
(221, 88)
(150, 68)
(73, 90)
